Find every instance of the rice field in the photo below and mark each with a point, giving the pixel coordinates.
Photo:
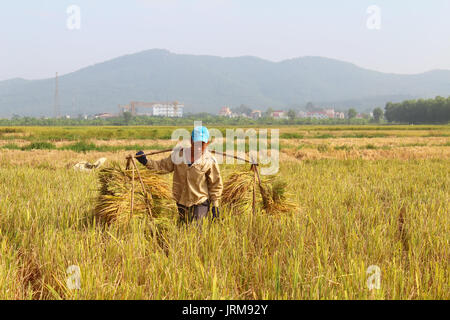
(366, 198)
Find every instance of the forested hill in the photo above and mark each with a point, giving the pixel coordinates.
(206, 83)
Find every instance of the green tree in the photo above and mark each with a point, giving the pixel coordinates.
(351, 113)
(127, 116)
(243, 109)
(419, 111)
(268, 112)
(291, 114)
(377, 114)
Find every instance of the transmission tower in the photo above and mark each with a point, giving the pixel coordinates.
(57, 107)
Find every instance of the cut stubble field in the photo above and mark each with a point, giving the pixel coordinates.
(380, 198)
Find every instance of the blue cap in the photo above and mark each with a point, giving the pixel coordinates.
(200, 134)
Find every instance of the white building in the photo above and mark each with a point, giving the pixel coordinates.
(339, 115)
(104, 115)
(225, 112)
(167, 110)
(322, 114)
(160, 109)
(279, 114)
(256, 114)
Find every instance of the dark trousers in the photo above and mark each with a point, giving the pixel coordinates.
(194, 213)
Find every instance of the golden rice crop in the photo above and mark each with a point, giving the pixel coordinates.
(388, 211)
(116, 193)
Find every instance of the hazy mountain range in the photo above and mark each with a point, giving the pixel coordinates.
(206, 83)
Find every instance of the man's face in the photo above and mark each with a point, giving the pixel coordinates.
(198, 146)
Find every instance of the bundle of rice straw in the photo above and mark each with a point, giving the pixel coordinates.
(115, 194)
(274, 197)
(238, 193)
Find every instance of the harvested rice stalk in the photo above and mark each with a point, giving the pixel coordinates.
(237, 193)
(275, 199)
(114, 200)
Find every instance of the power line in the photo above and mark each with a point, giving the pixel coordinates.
(57, 106)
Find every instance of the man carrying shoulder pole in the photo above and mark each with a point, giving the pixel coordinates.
(197, 183)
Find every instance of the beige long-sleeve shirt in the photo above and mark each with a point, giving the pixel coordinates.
(195, 184)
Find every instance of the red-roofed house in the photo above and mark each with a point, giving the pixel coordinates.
(279, 114)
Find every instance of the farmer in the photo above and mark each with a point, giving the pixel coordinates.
(197, 183)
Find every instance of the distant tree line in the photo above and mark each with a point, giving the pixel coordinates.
(411, 111)
(419, 111)
(188, 120)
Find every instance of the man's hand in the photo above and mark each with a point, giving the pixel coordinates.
(140, 156)
(215, 212)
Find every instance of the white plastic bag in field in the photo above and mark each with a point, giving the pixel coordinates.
(87, 166)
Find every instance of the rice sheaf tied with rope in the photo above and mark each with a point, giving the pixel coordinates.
(271, 194)
(115, 194)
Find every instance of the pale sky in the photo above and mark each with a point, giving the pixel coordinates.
(35, 41)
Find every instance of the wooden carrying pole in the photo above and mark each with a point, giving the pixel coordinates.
(212, 151)
(132, 194)
(254, 168)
